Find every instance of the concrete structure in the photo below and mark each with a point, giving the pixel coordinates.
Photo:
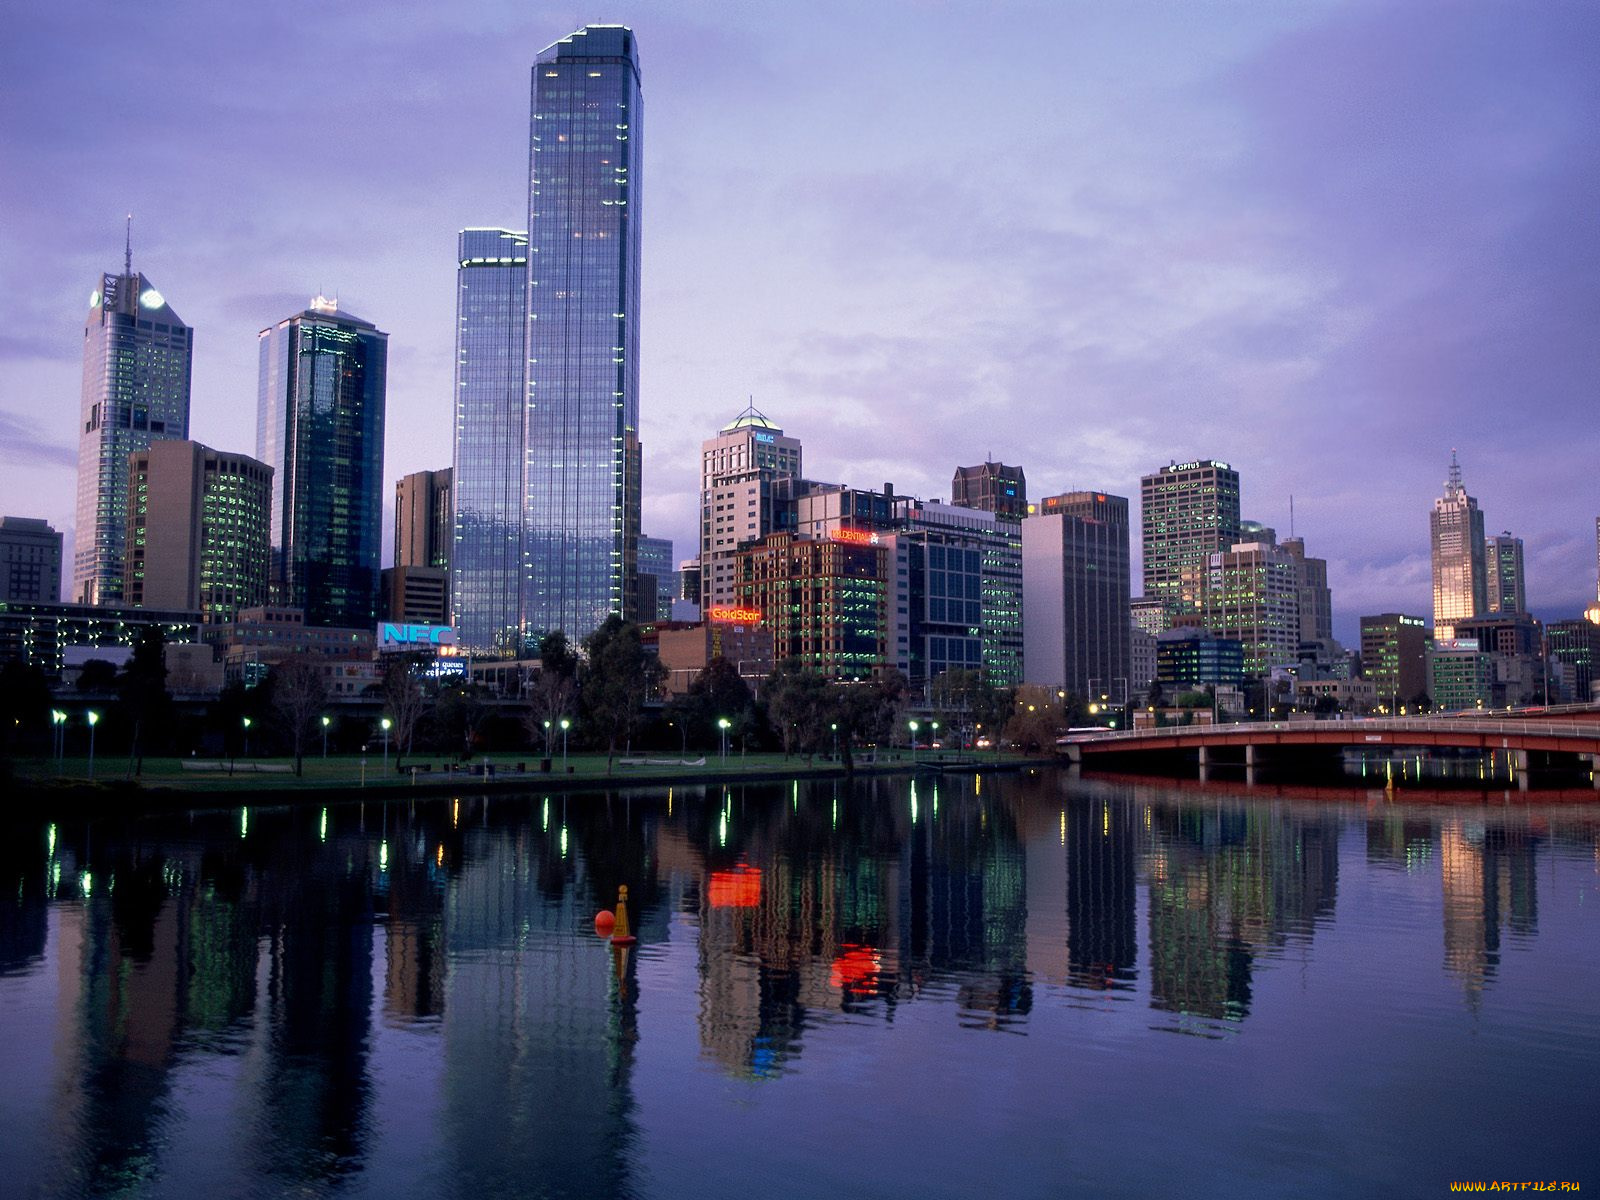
(1252, 594)
(743, 642)
(39, 634)
(260, 638)
(199, 524)
(993, 487)
(824, 601)
(1514, 642)
(320, 422)
(1141, 660)
(137, 361)
(1460, 582)
(416, 595)
(1460, 676)
(1575, 646)
(738, 500)
(1394, 656)
(1507, 588)
(1189, 511)
(1075, 573)
(1314, 597)
(424, 519)
(1189, 659)
(30, 561)
(657, 580)
(488, 489)
(823, 510)
(583, 459)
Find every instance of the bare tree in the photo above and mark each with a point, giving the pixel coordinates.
(299, 694)
(551, 697)
(405, 704)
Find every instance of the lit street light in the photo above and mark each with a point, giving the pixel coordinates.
(325, 721)
(722, 724)
(565, 725)
(914, 727)
(94, 719)
(58, 730)
(386, 723)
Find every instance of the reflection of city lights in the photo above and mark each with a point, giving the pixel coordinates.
(383, 856)
(1063, 827)
(544, 816)
(438, 857)
(244, 822)
(855, 967)
(455, 814)
(322, 830)
(738, 888)
(87, 882)
(51, 840)
(563, 841)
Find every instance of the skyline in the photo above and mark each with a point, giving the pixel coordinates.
(1356, 236)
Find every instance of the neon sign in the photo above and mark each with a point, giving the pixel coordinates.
(414, 637)
(728, 613)
(855, 537)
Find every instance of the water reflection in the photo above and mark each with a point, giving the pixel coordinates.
(241, 974)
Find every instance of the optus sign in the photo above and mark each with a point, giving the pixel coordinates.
(415, 637)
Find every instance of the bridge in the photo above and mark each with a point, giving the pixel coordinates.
(1573, 742)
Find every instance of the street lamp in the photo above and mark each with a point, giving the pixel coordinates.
(722, 724)
(914, 727)
(386, 723)
(934, 736)
(547, 736)
(834, 725)
(247, 737)
(683, 737)
(325, 721)
(94, 719)
(565, 725)
(58, 723)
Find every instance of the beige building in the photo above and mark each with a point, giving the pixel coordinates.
(198, 530)
(737, 470)
(1460, 576)
(743, 642)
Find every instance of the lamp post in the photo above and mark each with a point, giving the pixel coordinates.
(94, 719)
(933, 736)
(547, 736)
(683, 737)
(325, 721)
(565, 725)
(914, 727)
(722, 726)
(386, 723)
(58, 724)
(834, 725)
(247, 737)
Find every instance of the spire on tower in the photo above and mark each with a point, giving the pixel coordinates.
(1454, 484)
(127, 248)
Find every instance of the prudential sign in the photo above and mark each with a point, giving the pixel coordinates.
(392, 637)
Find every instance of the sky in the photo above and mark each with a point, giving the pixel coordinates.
(1324, 241)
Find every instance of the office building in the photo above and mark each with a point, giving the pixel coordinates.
(40, 634)
(689, 581)
(1075, 573)
(935, 622)
(583, 459)
(1574, 650)
(739, 499)
(1460, 676)
(1514, 644)
(998, 541)
(320, 420)
(1252, 595)
(823, 510)
(1141, 660)
(824, 601)
(1507, 592)
(424, 519)
(1188, 512)
(30, 560)
(992, 487)
(258, 639)
(657, 580)
(1311, 585)
(199, 523)
(1460, 579)
(488, 487)
(1191, 659)
(415, 595)
(1394, 656)
(740, 638)
(137, 361)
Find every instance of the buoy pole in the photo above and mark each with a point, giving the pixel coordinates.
(621, 934)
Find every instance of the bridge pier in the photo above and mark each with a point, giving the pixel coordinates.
(1594, 771)
(1519, 768)
(1205, 766)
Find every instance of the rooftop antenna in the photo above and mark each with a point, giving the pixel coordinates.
(1455, 471)
(127, 249)
(1291, 514)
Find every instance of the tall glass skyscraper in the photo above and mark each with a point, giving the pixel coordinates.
(319, 425)
(583, 457)
(137, 359)
(490, 439)
(1460, 581)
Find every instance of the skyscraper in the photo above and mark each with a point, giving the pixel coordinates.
(1316, 600)
(198, 523)
(137, 360)
(1076, 626)
(319, 426)
(1459, 576)
(992, 486)
(489, 480)
(657, 579)
(1189, 512)
(738, 468)
(583, 456)
(1503, 561)
(417, 588)
(30, 560)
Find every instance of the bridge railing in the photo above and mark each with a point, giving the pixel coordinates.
(1443, 725)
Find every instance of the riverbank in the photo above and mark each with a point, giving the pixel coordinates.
(168, 783)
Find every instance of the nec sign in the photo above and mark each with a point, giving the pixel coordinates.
(414, 637)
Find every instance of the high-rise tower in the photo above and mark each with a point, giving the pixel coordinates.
(1507, 591)
(737, 470)
(1189, 512)
(583, 456)
(319, 426)
(1460, 586)
(137, 360)
(489, 480)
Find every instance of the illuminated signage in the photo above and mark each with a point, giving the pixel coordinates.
(415, 637)
(728, 613)
(765, 437)
(855, 537)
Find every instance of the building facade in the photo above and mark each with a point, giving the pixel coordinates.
(1075, 573)
(1188, 512)
(1252, 595)
(1394, 656)
(40, 634)
(824, 601)
(488, 484)
(424, 519)
(137, 361)
(1507, 591)
(199, 530)
(1187, 659)
(1315, 598)
(319, 426)
(993, 487)
(30, 560)
(657, 579)
(1574, 650)
(1460, 578)
(739, 499)
(583, 459)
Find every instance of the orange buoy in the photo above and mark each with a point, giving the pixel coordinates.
(604, 921)
(621, 936)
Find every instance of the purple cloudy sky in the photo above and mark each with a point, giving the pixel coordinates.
(1323, 241)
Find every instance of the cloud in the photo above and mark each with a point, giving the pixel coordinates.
(21, 445)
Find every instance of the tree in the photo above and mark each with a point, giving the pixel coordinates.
(619, 677)
(24, 698)
(460, 713)
(97, 677)
(142, 694)
(554, 693)
(799, 706)
(1038, 717)
(404, 702)
(298, 696)
(868, 712)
